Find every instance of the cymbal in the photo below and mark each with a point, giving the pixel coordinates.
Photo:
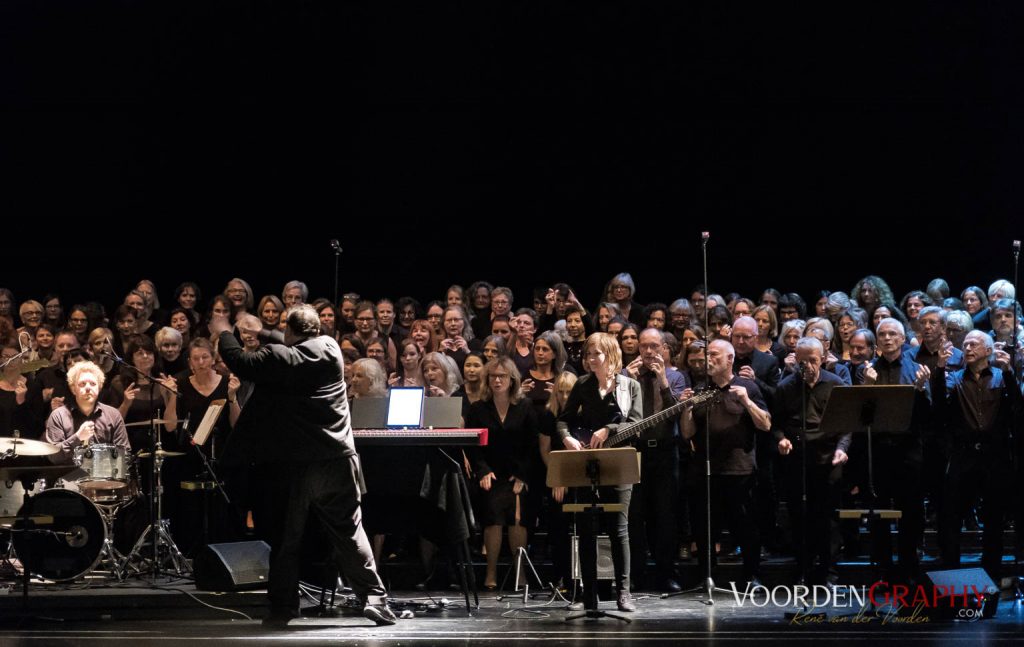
(146, 423)
(26, 447)
(161, 453)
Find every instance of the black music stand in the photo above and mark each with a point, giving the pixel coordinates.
(862, 410)
(593, 468)
(29, 476)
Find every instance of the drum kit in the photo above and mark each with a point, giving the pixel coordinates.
(61, 518)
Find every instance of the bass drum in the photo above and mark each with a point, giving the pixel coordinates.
(68, 548)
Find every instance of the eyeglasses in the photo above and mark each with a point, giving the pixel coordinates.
(365, 319)
(433, 316)
(498, 376)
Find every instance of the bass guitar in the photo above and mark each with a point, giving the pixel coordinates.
(629, 431)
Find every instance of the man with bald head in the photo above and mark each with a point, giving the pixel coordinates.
(734, 425)
(763, 369)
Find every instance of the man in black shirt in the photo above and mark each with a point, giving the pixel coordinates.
(297, 419)
(763, 369)
(978, 405)
(799, 404)
(733, 425)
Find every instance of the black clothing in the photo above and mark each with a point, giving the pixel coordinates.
(732, 430)
(14, 416)
(587, 408)
(898, 473)
(300, 397)
(766, 377)
(811, 533)
(978, 414)
(511, 451)
(787, 418)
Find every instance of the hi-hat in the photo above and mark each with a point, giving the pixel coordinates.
(160, 453)
(26, 447)
(146, 423)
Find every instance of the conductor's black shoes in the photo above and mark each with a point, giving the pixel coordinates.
(380, 614)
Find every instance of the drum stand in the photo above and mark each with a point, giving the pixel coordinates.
(161, 535)
(111, 558)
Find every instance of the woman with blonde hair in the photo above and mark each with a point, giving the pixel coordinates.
(599, 403)
(440, 375)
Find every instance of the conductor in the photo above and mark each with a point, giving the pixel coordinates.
(297, 419)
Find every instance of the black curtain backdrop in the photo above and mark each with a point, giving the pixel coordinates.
(519, 142)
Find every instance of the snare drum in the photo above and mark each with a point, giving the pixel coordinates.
(106, 466)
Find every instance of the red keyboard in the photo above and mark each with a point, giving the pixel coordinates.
(420, 437)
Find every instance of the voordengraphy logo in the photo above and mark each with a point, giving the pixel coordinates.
(888, 603)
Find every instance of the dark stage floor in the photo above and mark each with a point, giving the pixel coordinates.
(137, 614)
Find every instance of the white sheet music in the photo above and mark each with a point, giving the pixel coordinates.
(209, 419)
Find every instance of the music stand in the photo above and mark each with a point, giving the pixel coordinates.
(593, 468)
(861, 410)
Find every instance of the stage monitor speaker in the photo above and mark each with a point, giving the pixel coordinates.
(237, 566)
(957, 594)
(605, 567)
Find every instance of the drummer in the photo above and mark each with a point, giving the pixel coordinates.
(84, 419)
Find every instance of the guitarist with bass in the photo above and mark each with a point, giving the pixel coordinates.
(734, 424)
(603, 400)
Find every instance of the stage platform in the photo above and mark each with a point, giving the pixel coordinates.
(174, 618)
(140, 611)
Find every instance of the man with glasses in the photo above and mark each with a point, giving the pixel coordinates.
(654, 498)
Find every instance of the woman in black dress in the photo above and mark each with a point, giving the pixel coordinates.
(504, 465)
(140, 398)
(202, 387)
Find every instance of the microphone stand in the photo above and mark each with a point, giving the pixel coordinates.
(217, 483)
(1016, 366)
(707, 587)
(155, 486)
(336, 246)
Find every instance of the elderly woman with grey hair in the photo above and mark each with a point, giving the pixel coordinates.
(294, 293)
(169, 343)
(368, 379)
(620, 291)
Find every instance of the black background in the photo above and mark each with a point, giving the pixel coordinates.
(519, 142)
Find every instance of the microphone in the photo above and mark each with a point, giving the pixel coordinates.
(335, 245)
(704, 235)
(184, 423)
